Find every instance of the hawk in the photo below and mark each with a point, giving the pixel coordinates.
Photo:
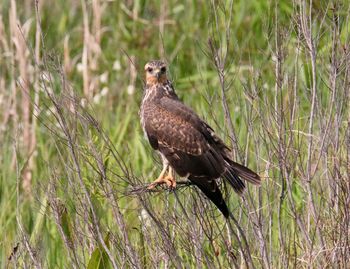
(186, 143)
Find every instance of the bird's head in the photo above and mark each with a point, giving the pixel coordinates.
(155, 72)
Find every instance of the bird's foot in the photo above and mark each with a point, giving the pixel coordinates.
(171, 182)
(168, 180)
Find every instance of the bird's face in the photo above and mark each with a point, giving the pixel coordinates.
(155, 72)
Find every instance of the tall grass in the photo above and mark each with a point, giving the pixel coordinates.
(272, 78)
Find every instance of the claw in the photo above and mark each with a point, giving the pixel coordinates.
(157, 182)
(169, 180)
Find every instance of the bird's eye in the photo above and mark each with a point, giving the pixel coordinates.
(163, 69)
(150, 69)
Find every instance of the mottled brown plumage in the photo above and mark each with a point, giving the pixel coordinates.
(187, 144)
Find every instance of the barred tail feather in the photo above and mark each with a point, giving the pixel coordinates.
(236, 172)
(245, 173)
(234, 180)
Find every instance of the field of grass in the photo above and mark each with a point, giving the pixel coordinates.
(271, 77)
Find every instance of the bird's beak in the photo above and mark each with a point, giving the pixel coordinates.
(158, 74)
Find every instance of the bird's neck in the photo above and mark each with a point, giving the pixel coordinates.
(159, 90)
(150, 84)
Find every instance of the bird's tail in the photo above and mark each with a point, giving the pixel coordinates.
(235, 172)
(209, 187)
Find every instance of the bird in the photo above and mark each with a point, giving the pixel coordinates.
(188, 146)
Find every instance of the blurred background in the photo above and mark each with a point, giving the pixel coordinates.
(271, 77)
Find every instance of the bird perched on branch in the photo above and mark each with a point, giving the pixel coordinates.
(187, 144)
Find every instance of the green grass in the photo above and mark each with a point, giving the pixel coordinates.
(52, 220)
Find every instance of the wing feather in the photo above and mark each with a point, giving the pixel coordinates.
(176, 130)
(182, 138)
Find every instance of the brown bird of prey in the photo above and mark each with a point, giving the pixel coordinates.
(187, 144)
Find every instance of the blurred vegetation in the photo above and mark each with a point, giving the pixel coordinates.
(89, 55)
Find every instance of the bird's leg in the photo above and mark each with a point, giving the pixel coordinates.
(161, 178)
(170, 178)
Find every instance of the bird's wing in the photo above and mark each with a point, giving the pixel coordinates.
(173, 125)
(178, 133)
(234, 170)
(176, 107)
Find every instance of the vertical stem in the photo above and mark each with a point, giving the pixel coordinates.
(86, 51)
